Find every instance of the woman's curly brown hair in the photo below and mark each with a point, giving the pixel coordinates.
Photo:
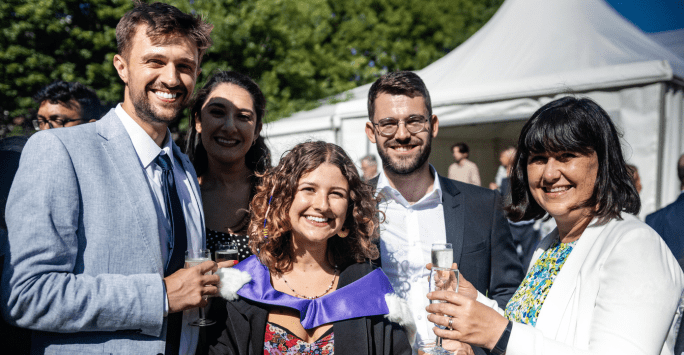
(276, 251)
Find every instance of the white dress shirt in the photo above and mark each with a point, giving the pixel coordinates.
(148, 151)
(406, 238)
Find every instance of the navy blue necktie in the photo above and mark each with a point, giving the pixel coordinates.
(180, 245)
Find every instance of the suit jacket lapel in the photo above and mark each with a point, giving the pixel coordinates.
(131, 176)
(567, 281)
(454, 215)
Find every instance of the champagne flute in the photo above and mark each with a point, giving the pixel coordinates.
(194, 258)
(441, 279)
(225, 252)
(442, 255)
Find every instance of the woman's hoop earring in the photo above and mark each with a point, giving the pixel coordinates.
(343, 233)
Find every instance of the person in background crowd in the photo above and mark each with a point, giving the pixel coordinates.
(603, 282)
(64, 104)
(669, 220)
(635, 177)
(369, 167)
(100, 215)
(463, 169)
(525, 233)
(311, 289)
(10, 151)
(423, 208)
(506, 159)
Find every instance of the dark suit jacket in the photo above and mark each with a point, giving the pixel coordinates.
(243, 333)
(481, 239)
(669, 223)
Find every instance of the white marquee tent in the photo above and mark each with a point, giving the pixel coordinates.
(529, 53)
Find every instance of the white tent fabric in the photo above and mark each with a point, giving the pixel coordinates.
(529, 53)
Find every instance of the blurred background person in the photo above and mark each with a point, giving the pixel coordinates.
(312, 289)
(506, 159)
(669, 220)
(228, 154)
(66, 104)
(10, 152)
(369, 167)
(463, 169)
(602, 282)
(636, 179)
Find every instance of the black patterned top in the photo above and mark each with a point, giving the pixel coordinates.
(215, 237)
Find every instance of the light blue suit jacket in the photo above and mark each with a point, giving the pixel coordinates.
(84, 266)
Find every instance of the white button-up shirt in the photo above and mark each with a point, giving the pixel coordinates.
(147, 151)
(406, 238)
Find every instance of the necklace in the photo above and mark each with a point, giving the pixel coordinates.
(313, 297)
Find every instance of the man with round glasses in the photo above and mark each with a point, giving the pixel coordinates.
(422, 208)
(65, 104)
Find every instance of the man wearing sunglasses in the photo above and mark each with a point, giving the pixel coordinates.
(65, 104)
(422, 208)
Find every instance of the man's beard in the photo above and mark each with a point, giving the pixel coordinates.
(147, 113)
(409, 165)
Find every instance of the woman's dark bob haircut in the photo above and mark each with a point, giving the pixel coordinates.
(580, 126)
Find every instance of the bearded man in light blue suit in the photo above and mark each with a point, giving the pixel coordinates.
(92, 234)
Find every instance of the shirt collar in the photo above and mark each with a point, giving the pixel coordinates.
(390, 192)
(144, 145)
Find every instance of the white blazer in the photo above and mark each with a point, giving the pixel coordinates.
(619, 292)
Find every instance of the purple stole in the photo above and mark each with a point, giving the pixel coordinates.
(361, 298)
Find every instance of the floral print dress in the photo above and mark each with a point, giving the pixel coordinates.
(279, 340)
(526, 303)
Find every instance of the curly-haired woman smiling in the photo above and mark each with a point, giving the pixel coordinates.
(310, 290)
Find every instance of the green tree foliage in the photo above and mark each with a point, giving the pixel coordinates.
(47, 40)
(299, 51)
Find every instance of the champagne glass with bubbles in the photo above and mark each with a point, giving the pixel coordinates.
(194, 258)
(441, 279)
(225, 252)
(442, 255)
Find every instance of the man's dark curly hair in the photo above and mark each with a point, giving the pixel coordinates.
(62, 92)
(276, 251)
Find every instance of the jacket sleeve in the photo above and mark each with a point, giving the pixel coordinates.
(507, 272)
(43, 286)
(640, 288)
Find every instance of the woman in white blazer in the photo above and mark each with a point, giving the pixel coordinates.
(602, 282)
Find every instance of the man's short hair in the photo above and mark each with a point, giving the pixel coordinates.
(163, 21)
(398, 83)
(462, 147)
(62, 92)
(370, 159)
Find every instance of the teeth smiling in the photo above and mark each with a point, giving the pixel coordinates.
(316, 219)
(166, 95)
(226, 141)
(559, 189)
(402, 148)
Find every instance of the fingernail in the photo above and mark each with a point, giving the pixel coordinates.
(235, 262)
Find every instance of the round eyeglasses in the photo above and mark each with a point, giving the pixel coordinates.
(54, 123)
(389, 126)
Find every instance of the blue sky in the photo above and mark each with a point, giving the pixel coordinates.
(652, 15)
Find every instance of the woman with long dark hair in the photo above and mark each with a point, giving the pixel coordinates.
(228, 153)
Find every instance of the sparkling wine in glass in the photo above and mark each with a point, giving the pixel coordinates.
(441, 279)
(225, 252)
(194, 258)
(442, 255)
